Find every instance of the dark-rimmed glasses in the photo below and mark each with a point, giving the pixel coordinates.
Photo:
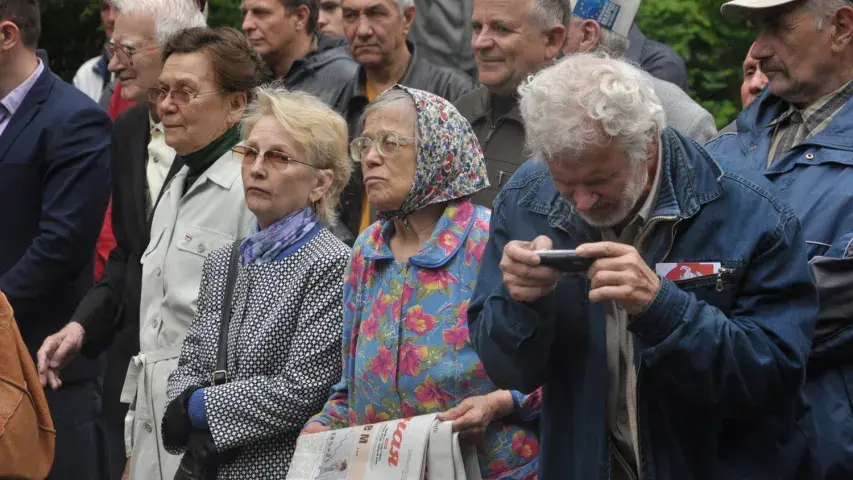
(179, 97)
(386, 144)
(125, 53)
(277, 160)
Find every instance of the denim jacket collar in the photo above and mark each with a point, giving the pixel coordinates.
(449, 235)
(756, 128)
(684, 188)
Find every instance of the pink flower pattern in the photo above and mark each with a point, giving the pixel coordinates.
(407, 345)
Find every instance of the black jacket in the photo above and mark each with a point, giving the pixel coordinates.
(657, 59)
(110, 310)
(54, 185)
(326, 72)
(421, 74)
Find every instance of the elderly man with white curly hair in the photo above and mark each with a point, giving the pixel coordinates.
(672, 341)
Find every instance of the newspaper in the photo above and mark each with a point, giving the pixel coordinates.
(416, 448)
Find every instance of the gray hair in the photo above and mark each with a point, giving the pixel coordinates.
(549, 13)
(402, 4)
(823, 9)
(170, 16)
(585, 99)
(391, 98)
(610, 43)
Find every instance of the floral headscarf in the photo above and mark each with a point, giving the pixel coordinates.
(450, 163)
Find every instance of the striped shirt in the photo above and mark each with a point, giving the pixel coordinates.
(795, 126)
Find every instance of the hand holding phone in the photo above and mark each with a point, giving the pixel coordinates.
(565, 260)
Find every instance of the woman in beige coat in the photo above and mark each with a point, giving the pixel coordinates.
(207, 78)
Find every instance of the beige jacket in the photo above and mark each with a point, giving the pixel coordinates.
(184, 230)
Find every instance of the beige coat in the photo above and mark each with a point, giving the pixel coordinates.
(184, 230)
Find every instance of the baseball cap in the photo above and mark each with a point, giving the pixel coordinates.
(614, 15)
(739, 10)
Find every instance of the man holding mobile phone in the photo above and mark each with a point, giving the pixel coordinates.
(681, 351)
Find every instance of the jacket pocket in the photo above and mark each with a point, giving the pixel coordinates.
(200, 241)
(719, 289)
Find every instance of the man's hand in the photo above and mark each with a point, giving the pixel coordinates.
(126, 474)
(621, 275)
(57, 351)
(471, 417)
(314, 427)
(525, 279)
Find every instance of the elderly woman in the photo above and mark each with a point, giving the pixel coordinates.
(206, 81)
(406, 350)
(283, 349)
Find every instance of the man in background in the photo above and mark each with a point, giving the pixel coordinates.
(285, 34)
(797, 133)
(515, 39)
(376, 32)
(54, 179)
(753, 83)
(754, 80)
(107, 319)
(93, 77)
(330, 20)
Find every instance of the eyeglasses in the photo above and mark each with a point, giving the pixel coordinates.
(277, 160)
(386, 144)
(179, 97)
(125, 53)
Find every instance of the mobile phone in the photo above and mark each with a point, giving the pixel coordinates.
(564, 260)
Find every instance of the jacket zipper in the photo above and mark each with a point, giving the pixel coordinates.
(723, 271)
(492, 128)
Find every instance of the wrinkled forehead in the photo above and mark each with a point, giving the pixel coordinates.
(393, 118)
(783, 15)
(363, 5)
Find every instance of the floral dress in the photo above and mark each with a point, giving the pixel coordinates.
(406, 349)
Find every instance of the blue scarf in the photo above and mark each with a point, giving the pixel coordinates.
(265, 246)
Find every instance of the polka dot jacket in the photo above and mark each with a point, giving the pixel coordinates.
(284, 347)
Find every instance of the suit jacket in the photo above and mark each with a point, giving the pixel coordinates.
(54, 186)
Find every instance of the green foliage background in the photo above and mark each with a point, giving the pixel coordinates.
(712, 48)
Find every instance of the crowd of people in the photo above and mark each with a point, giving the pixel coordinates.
(221, 240)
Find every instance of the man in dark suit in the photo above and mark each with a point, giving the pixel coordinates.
(54, 183)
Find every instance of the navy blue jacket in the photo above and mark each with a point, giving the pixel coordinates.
(720, 358)
(816, 179)
(54, 187)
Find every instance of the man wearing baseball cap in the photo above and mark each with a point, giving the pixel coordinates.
(799, 134)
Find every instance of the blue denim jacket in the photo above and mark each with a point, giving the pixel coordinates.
(720, 358)
(816, 179)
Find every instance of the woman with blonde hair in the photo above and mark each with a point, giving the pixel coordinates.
(278, 323)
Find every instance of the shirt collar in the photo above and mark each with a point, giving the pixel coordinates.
(158, 126)
(15, 98)
(447, 238)
(833, 102)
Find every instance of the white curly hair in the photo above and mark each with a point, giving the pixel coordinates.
(584, 100)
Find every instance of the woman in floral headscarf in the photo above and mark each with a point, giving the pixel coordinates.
(406, 350)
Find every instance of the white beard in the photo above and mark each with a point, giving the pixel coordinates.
(627, 201)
